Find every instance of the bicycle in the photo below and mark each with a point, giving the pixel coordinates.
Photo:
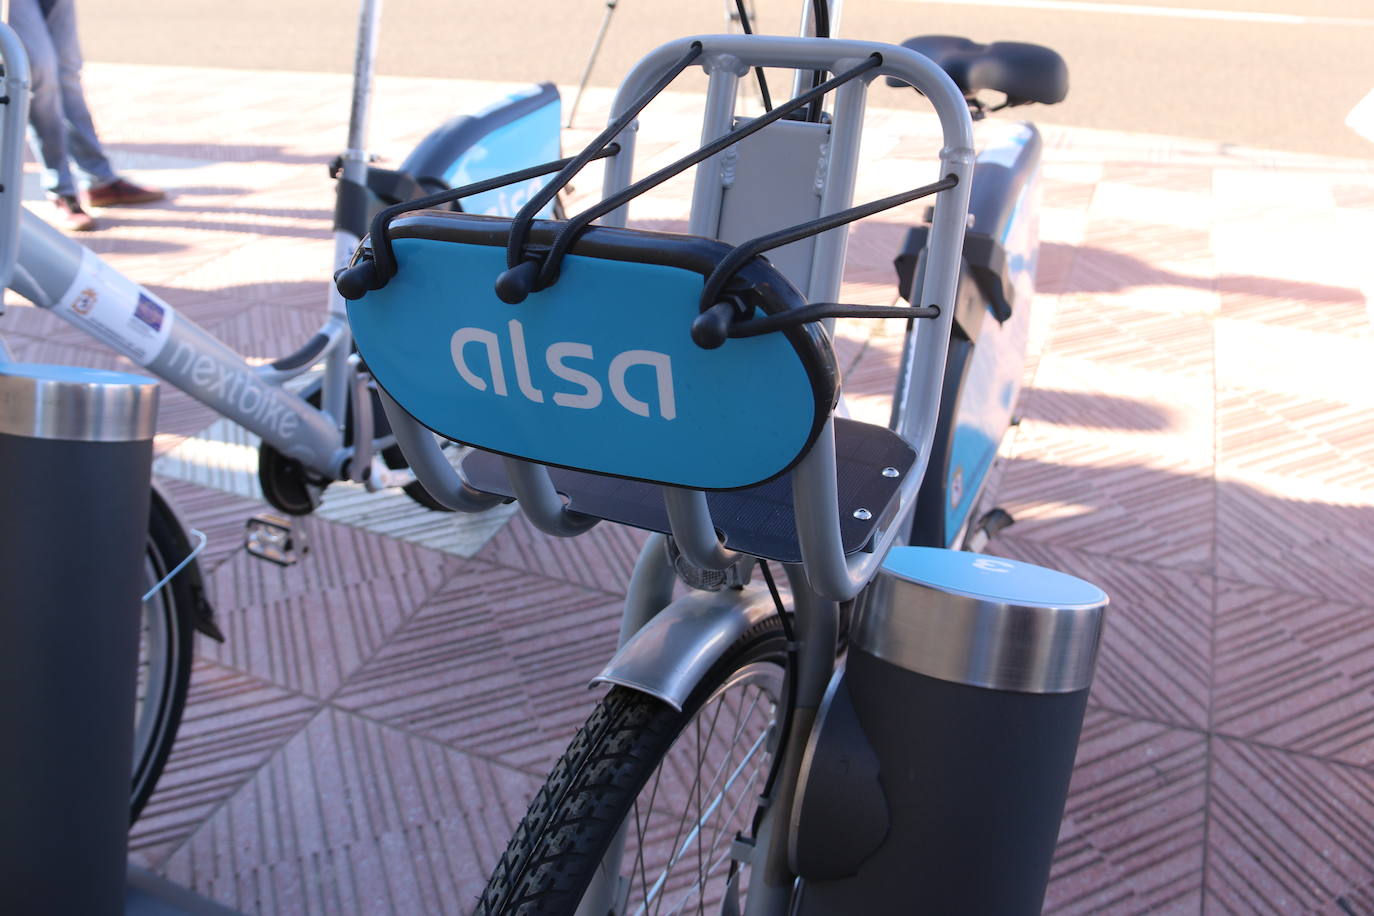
(313, 433)
(685, 387)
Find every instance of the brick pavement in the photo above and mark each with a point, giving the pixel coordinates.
(1195, 439)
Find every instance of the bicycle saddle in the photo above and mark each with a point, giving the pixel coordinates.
(1024, 72)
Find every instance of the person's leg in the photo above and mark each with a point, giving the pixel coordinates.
(82, 140)
(47, 124)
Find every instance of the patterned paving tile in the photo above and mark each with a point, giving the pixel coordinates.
(602, 559)
(496, 664)
(1288, 834)
(1307, 545)
(232, 725)
(354, 817)
(312, 642)
(1295, 672)
(1155, 340)
(1086, 497)
(1134, 826)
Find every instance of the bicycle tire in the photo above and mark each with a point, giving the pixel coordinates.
(164, 664)
(598, 782)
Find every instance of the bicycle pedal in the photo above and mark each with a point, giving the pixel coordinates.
(273, 538)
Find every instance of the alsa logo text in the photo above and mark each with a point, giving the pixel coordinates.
(589, 392)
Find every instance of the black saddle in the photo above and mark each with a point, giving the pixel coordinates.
(1024, 72)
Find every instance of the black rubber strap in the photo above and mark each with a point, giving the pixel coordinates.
(382, 267)
(520, 225)
(548, 272)
(715, 284)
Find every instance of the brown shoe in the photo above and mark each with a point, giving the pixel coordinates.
(121, 191)
(70, 215)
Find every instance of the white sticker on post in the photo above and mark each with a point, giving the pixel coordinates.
(116, 310)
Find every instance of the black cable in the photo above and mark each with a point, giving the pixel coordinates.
(548, 272)
(740, 254)
(383, 264)
(758, 71)
(520, 224)
(820, 10)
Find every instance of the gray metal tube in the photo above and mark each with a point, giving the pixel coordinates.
(12, 121)
(71, 571)
(56, 273)
(696, 536)
(431, 468)
(541, 503)
(355, 156)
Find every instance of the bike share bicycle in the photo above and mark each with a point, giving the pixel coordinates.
(313, 433)
(746, 758)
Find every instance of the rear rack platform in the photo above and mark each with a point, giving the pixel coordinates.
(871, 461)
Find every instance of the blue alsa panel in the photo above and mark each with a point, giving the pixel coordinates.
(597, 373)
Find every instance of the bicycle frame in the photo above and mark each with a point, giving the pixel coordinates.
(60, 275)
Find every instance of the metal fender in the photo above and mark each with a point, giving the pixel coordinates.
(671, 653)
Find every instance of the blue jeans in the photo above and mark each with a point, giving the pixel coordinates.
(60, 127)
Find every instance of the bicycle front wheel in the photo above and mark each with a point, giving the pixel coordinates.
(681, 784)
(164, 653)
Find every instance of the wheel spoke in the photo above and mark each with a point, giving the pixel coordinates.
(711, 808)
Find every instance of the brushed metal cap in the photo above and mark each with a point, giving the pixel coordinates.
(983, 621)
(64, 402)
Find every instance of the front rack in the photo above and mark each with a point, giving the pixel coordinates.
(835, 566)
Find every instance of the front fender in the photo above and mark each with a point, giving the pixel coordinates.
(670, 654)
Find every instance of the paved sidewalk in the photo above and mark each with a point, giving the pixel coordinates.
(1195, 438)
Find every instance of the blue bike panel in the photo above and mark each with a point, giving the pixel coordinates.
(977, 575)
(993, 381)
(597, 373)
(516, 132)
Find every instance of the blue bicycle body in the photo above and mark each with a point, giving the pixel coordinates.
(519, 130)
(988, 349)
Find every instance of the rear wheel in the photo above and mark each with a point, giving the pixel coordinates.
(680, 784)
(164, 652)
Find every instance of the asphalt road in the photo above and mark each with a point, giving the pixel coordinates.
(1280, 74)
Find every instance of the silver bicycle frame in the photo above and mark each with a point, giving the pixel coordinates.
(13, 118)
(49, 269)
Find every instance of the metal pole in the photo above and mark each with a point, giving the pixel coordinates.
(591, 61)
(76, 454)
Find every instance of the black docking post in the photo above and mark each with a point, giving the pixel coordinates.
(76, 451)
(952, 730)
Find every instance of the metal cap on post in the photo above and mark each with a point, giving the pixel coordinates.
(983, 621)
(85, 405)
(76, 454)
